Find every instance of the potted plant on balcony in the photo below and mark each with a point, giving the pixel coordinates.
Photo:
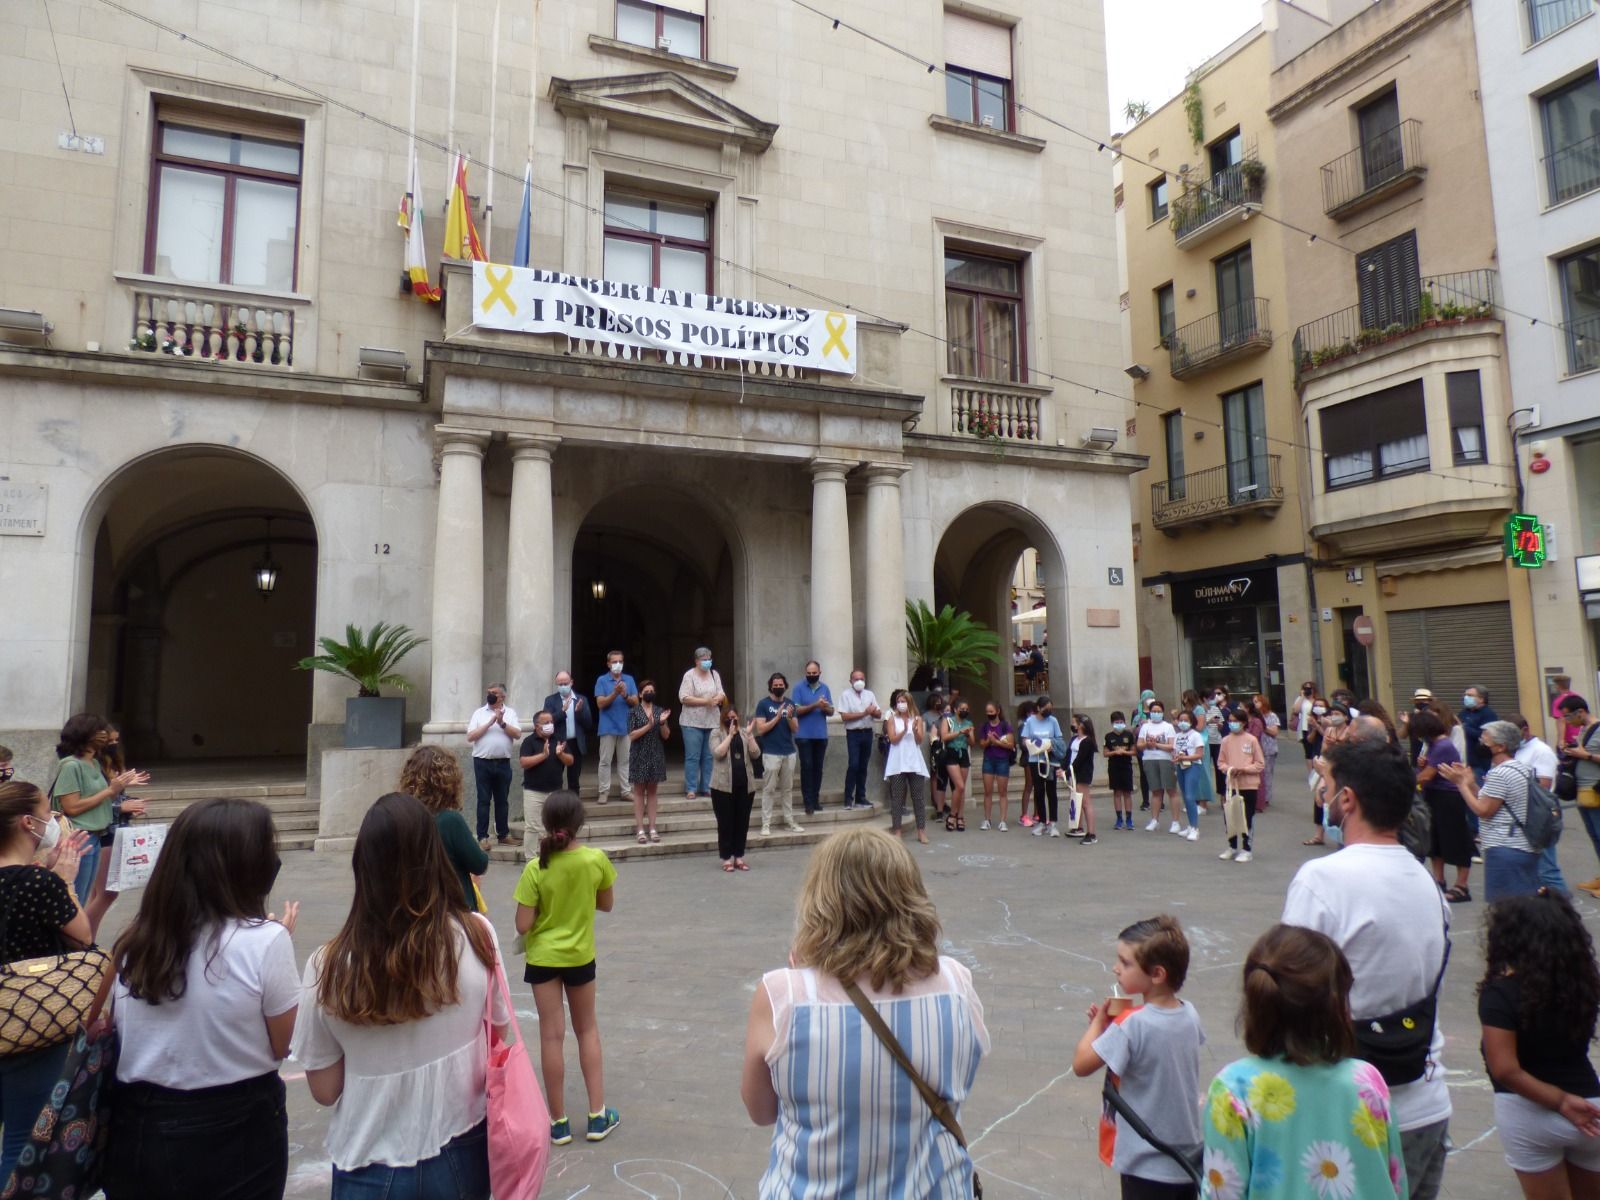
(368, 659)
(946, 643)
(1254, 173)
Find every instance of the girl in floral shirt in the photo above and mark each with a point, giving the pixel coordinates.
(1300, 1117)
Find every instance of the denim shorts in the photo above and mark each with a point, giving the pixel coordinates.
(996, 766)
(460, 1171)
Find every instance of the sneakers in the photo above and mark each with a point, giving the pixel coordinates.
(1153, 826)
(985, 825)
(1001, 827)
(602, 1123)
(1089, 839)
(1074, 833)
(1026, 820)
(1173, 828)
(1227, 855)
(1055, 830)
(793, 828)
(1194, 833)
(560, 1132)
(1038, 829)
(766, 829)
(1243, 856)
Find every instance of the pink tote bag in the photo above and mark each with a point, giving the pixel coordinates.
(519, 1118)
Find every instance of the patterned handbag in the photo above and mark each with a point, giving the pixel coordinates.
(64, 1156)
(43, 1001)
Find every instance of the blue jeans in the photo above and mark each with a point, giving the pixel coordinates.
(25, 1084)
(460, 1171)
(696, 760)
(1509, 872)
(858, 747)
(812, 752)
(492, 776)
(88, 865)
(1550, 875)
(1591, 826)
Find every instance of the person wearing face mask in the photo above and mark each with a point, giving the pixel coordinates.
(904, 768)
(734, 749)
(1475, 714)
(1156, 738)
(1241, 759)
(1141, 714)
(574, 717)
(647, 759)
(1046, 745)
(813, 704)
(615, 693)
(544, 758)
(1312, 736)
(858, 709)
(39, 913)
(1300, 717)
(1120, 752)
(84, 794)
(1215, 729)
(1190, 762)
(493, 732)
(702, 697)
(998, 742)
(774, 724)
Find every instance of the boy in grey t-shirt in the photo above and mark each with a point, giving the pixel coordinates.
(1155, 1053)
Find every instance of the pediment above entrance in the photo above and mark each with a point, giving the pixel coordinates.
(663, 103)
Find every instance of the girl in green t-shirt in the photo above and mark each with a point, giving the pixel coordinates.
(557, 898)
(85, 795)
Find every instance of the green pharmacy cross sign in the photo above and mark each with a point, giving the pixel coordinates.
(1525, 540)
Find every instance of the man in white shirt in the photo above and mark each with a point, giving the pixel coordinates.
(493, 733)
(1536, 754)
(1383, 909)
(857, 708)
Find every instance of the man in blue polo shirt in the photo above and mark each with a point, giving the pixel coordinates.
(813, 704)
(614, 694)
(774, 725)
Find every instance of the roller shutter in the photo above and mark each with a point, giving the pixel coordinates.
(1451, 649)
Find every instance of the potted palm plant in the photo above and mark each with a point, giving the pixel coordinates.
(368, 659)
(946, 643)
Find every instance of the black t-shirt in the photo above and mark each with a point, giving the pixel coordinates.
(544, 776)
(36, 904)
(1544, 1052)
(1120, 741)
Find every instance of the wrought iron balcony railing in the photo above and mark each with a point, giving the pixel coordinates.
(1427, 302)
(1224, 335)
(1241, 486)
(1204, 205)
(1583, 344)
(1379, 166)
(1573, 170)
(1548, 17)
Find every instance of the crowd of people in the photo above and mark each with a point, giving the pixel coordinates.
(1342, 1092)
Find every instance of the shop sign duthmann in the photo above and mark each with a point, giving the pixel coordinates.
(525, 300)
(1225, 591)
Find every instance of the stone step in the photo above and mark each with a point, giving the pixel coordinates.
(201, 791)
(699, 840)
(279, 805)
(298, 842)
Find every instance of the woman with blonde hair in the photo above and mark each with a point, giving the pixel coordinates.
(433, 775)
(849, 1120)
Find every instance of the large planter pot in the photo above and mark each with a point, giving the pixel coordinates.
(376, 721)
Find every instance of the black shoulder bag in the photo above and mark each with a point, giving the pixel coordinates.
(1115, 1102)
(939, 1106)
(1398, 1043)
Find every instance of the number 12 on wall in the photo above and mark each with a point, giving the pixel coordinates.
(380, 547)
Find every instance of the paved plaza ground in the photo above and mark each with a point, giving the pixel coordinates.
(1035, 919)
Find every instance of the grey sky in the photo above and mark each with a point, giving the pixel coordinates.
(1152, 44)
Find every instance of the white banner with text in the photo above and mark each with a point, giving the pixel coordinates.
(525, 300)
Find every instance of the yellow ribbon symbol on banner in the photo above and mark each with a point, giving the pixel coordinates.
(837, 325)
(497, 289)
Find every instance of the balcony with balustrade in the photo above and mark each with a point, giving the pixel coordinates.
(214, 325)
(1230, 333)
(999, 414)
(1226, 493)
(1375, 170)
(1231, 194)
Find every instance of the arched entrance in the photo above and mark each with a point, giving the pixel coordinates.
(654, 576)
(1001, 565)
(189, 653)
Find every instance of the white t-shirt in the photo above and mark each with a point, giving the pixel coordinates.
(1158, 732)
(1383, 909)
(408, 1089)
(852, 708)
(1187, 741)
(1536, 753)
(496, 742)
(216, 1032)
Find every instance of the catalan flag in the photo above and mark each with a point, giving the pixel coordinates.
(410, 220)
(460, 235)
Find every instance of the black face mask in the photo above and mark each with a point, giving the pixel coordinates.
(813, 680)
(778, 689)
(647, 697)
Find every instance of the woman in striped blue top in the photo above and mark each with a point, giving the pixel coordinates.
(849, 1121)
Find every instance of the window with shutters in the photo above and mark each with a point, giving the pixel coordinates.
(1580, 302)
(1381, 155)
(977, 60)
(677, 26)
(1464, 391)
(1375, 437)
(224, 199)
(1389, 282)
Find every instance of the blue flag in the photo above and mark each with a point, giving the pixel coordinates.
(519, 256)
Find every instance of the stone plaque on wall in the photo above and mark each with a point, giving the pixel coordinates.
(22, 508)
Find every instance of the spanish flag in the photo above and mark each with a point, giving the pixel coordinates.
(460, 236)
(416, 276)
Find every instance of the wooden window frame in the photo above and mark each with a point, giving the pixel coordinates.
(661, 25)
(230, 173)
(1019, 297)
(656, 241)
(973, 78)
(1165, 209)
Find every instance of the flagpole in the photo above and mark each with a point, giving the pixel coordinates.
(450, 118)
(411, 121)
(494, 93)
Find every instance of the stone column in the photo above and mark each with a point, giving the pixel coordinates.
(831, 643)
(530, 574)
(886, 581)
(457, 634)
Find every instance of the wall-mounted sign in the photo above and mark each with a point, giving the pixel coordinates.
(1525, 540)
(1588, 566)
(22, 508)
(1114, 576)
(1225, 591)
(524, 300)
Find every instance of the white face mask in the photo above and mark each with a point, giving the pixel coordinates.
(902, 706)
(50, 835)
(858, 684)
(616, 668)
(1184, 725)
(1318, 709)
(547, 730)
(1119, 726)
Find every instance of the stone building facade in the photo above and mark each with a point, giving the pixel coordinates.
(527, 501)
